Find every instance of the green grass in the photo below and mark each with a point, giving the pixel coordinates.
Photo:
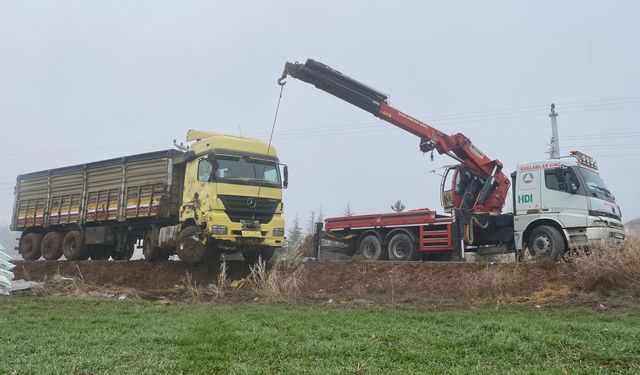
(48, 335)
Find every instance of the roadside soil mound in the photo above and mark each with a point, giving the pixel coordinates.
(350, 278)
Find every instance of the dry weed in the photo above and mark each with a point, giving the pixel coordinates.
(191, 286)
(608, 267)
(217, 289)
(278, 283)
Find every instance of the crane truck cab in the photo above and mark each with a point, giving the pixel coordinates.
(561, 204)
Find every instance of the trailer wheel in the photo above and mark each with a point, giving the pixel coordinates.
(30, 246)
(370, 248)
(123, 255)
(150, 248)
(52, 246)
(264, 253)
(189, 247)
(99, 252)
(402, 247)
(546, 241)
(73, 246)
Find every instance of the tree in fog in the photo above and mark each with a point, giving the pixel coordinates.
(295, 233)
(348, 211)
(398, 206)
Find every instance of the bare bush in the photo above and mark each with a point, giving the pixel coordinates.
(191, 286)
(217, 289)
(610, 266)
(278, 283)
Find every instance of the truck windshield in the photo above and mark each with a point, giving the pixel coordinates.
(245, 170)
(595, 182)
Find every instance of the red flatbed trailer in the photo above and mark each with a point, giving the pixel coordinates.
(432, 232)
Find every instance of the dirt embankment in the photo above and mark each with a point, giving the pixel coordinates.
(351, 278)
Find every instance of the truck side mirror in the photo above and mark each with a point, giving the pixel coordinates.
(285, 171)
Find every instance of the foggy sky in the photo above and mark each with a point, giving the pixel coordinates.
(83, 81)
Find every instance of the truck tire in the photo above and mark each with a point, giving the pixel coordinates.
(52, 246)
(123, 255)
(189, 248)
(150, 248)
(30, 246)
(99, 252)
(253, 256)
(73, 246)
(403, 248)
(370, 248)
(546, 241)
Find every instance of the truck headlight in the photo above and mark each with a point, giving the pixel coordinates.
(599, 223)
(219, 229)
(278, 232)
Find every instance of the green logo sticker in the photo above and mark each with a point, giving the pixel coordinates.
(525, 198)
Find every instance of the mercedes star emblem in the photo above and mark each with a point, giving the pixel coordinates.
(251, 202)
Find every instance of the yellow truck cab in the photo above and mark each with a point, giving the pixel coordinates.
(233, 191)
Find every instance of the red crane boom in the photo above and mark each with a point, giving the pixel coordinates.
(478, 183)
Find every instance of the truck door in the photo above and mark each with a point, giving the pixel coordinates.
(562, 194)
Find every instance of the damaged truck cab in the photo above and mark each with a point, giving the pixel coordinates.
(233, 194)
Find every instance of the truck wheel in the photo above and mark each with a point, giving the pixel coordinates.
(99, 252)
(126, 255)
(150, 248)
(52, 246)
(30, 246)
(370, 248)
(402, 247)
(546, 241)
(253, 256)
(73, 246)
(189, 247)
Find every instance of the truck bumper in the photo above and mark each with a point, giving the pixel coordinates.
(238, 235)
(593, 236)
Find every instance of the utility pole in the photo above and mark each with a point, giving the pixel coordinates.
(555, 144)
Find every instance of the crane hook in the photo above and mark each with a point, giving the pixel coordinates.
(281, 80)
(431, 155)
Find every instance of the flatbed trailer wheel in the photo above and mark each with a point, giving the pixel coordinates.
(370, 248)
(73, 246)
(546, 241)
(403, 248)
(150, 248)
(253, 256)
(30, 246)
(99, 252)
(189, 247)
(52, 246)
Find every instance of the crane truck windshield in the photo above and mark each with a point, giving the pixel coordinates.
(595, 183)
(239, 170)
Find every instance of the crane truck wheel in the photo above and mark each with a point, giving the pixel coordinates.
(73, 246)
(253, 256)
(546, 241)
(403, 248)
(189, 247)
(30, 246)
(370, 248)
(150, 248)
(52, 246)
(99, 252)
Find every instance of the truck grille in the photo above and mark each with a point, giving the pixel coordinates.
(239, 208)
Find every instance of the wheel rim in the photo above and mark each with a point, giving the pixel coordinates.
(400, 249)
(369, 251)
(542, 245)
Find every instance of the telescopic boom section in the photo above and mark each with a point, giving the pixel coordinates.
(492, 196)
